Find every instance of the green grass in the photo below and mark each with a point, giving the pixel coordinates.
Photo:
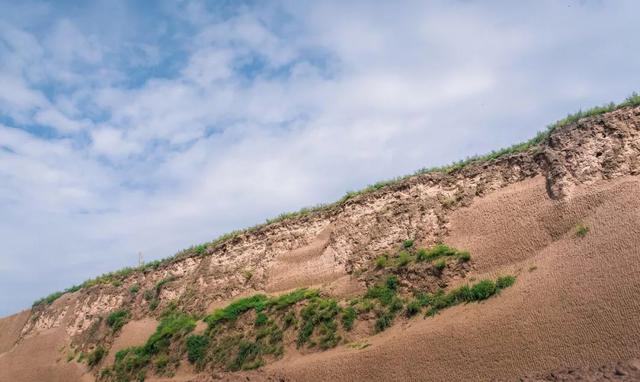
(582, 230)
(403, 259)
(232, 311)
(117, 319)
(407, 244)
(381, 261)
(319, 311)
(134, 289)
(96, 356)
(202, 249)
(349, 315)
(464, 256)
(440, 265)
(197, 348)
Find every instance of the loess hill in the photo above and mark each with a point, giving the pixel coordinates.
(520, 266)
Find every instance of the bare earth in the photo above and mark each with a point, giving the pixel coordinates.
(573, 313)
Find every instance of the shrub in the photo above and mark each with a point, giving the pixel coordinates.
(261, 319)
(463, 294)
(392, 282)
(289, 320)
(96, 356)
(381, 262)
(439, 266)
(505, 281)
(384, 320)
(318, 311)
(148, 295)
(413, 308)
(247, 357)
(464, 256)
(403, 259)
(171, 326)
(117, 319)
(407, 244)
(135, 288)
(349, 315)
(197, 348)
(161, 362)
(483, 290)
(582, 230)
(422, 255)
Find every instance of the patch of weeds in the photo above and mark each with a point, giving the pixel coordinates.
(286, 300)
(384, 320)
(464, 256)
(197, 348)
(403, 259)
(328, 335)
(117, 319)
(248, 357)
(358, 345)
(171, 326)
(318, 311)
(582, 230)
(289, 320)
(385, 292)
(148, 295)
(153, 304)
(134, 289)
(96, 356)
(407, 244)
(364, 306)
(422, 255)
(232, 311)
(247, 275)
(161, 362)
(439, 266)
(381, 261)
(505, 281)
(261, 319)
(349, 315)
(532, 268)
(413, 308)
(483, 290)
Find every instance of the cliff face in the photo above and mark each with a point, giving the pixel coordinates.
(326, 247)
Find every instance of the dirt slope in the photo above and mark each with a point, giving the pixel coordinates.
(578, 307)
(574, 303)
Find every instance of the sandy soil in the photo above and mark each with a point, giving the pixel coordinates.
(577, 307)
(134, 333)
(41, 358)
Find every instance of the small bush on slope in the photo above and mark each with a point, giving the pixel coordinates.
(117, 319)
(582, 230)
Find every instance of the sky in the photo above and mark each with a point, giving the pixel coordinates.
(151, 126)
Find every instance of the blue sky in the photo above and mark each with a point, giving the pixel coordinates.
(150, 126)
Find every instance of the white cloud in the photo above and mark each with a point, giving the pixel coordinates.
(214, 119)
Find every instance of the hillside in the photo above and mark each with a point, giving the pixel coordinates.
(514, 266)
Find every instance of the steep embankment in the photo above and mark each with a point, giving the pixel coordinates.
(572, 304)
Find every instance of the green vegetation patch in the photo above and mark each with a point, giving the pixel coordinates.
(96, 356)
(117, 319)
(197, 348)
(582, 230)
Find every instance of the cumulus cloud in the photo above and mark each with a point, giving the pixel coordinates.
(168, 125)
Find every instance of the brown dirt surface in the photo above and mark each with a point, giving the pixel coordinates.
(134, 333)
(576, 308)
